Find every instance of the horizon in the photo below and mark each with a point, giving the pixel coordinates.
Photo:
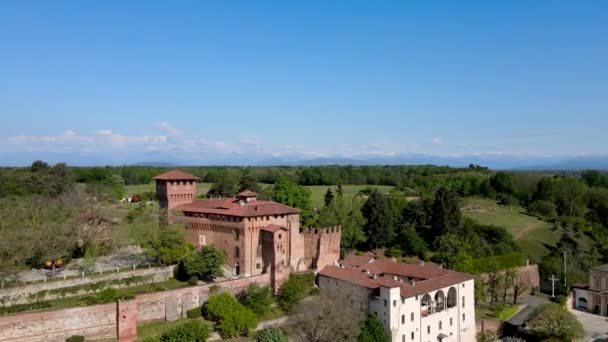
(207, 83)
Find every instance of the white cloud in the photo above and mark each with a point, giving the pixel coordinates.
(437, 141)
(170, 128)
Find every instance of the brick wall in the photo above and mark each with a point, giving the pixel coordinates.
(25, 293)
(103, 321)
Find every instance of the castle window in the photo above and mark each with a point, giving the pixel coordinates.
(402, 319)
(463, 317)
(412, 316)
(257, 266)
(440, 325)
(451, 321)
(279, 236)
(394, 303)
(412, 335)
(428, 329)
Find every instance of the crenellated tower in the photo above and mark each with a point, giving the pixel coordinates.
(174, 188)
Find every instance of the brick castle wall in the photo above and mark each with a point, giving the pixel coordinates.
(106, 320)
(321, 246)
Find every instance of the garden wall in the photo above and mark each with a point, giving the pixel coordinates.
(67, 288)
(115, 320)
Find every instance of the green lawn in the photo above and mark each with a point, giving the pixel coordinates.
(513, 218)
(318, 191)
(533, 235)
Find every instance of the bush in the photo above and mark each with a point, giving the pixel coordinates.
(294, 289)
(195, 331)
(88, 300)
(553, 321)
(107, 295)
(393, 252)
(195, 313)
(205, 264)
(231, 317)
(75, 338)
(257, 298)
(315, 291)
(193, 281)
(372, 330)
(561, 300)
(271, 335)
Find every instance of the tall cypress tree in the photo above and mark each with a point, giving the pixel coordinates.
(379, 227)
(446, 212)
(329, 196)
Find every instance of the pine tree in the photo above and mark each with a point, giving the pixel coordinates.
(446, 212)
(379, 227)
(329, 196)
(372, 330)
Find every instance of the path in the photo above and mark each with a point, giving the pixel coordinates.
(529, 229)
(595, 326)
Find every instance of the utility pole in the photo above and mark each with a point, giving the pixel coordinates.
(553, 285)
(565, 270)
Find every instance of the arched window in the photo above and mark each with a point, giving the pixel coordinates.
(237, 252)
(452, 297)
(582, 303)
(425, 305)
(439, 301)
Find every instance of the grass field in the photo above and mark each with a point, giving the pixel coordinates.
(534, 236)
(317, 191)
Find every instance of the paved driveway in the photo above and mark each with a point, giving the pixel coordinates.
(596, 326)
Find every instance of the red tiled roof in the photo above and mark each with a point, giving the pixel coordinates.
(355, 261)
(247, 193)
(236, 207)
(175, 175)
(272, 228)
(434, 278)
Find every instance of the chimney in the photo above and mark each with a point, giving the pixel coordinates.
(413, 283)
(421, 263)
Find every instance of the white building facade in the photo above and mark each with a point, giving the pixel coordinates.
(430, 307)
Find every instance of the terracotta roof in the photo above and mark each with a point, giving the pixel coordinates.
(247, 193)
(434, 278)
(582, 286)
(355, 261)
(272, 228)
(236, 207)
(175, 175)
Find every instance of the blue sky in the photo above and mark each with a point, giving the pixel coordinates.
(326, 78)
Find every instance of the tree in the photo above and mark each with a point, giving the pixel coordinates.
(170, 244)
(348, 215)
(289, 193)
(248, 182)
(271, 335)
(257, 298)
(379, 227)
(205, 264)
(326, 319)
(446, 212)
(553, 321)
(329, 196)
(410, 242)
(193, 330)
(231, 317)
(501, 182)
(226, 185)
(372, 330)
(295, 289)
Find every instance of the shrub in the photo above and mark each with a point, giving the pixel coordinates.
(107, 295)
(257, 298)
(192, 331)
(75, 338)
(294, 289)
(194, 313)
(271, 335)
(88, 300)
(372, 330)
(561, 300)
(193, 281)
(231, 317)
(393, 252)
(315, 291)
(553, 321)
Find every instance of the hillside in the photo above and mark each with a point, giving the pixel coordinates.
(534, 236)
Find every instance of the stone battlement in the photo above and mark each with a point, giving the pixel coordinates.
(324, 230)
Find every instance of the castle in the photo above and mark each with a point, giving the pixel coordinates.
(257, 236)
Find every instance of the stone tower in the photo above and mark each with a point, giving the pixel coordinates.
(174, 188)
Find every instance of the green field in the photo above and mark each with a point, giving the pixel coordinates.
(317, 191)
(533, 235)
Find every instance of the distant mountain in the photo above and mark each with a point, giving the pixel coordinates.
(180, 158)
